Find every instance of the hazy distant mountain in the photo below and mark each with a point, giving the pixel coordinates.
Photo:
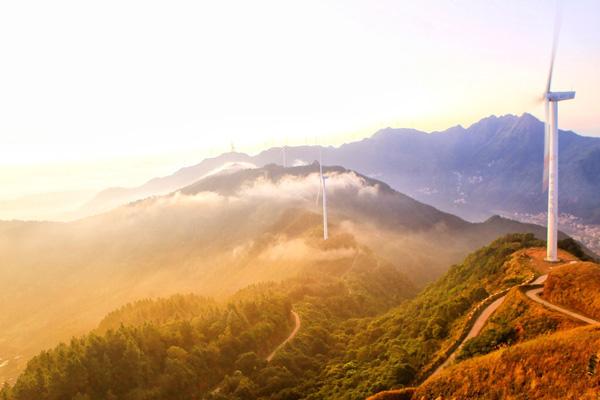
(494, 165)
(114, 197)
(491, 167)
(222, 233)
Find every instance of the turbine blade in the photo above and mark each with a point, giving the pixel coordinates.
(557, 25)
(546, 144)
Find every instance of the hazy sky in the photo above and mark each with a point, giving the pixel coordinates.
(115, 92)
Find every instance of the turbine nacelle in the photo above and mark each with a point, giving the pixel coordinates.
(559, 96)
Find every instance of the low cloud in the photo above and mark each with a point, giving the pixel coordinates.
(306, 188)
(289, 191)
(229, 168)
(298, 250)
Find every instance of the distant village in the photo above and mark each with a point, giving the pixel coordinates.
(573, 226)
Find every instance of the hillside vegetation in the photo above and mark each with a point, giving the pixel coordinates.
(188, 347)
(364, 330)
(518, 319)
(177, 360)
(576, 287)
(361, 333)
(391, 350)
(560, 366)
(158, 311)
(534, 351)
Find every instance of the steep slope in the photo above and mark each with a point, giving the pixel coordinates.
(560, 366)
(531, 361)
(517, 320)
(575, 286)
(397, 348)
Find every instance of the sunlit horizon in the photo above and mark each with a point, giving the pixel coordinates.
(115, 94)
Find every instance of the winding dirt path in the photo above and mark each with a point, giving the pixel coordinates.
(292, 335)
(477, 327)
(534, 294)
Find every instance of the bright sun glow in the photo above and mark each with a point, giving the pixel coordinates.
(115, 92)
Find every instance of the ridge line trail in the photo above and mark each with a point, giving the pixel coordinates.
(289, 338)
(475, 329)
(533, 294)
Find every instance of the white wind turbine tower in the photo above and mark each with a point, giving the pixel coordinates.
(322, 179)
(283, 154)
(551, 100)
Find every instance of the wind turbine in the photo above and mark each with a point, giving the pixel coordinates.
(322, 179)
(283, 154)
(551, 100)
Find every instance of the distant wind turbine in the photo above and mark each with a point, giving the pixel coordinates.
(550, 182)
(322, 179)
(284, 155)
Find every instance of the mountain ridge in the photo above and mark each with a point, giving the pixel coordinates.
(493, 166)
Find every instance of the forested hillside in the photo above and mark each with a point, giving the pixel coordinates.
(540, 347)
(187, 347)
(395, 349)
(361, 333)
(177, 360)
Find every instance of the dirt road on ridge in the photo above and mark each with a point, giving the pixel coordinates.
(290, 337)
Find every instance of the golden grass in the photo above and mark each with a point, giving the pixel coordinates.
(399, 394)
(533, 258)
(550, 367)
(529, 318)
(575, 286)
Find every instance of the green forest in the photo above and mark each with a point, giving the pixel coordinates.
(364, 328)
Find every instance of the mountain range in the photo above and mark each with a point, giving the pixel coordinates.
(492, 167)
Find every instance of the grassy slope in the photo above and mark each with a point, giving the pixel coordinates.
(575, 286)
(517, 320)
(551, 367)
(389, 351)
(542, 365)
